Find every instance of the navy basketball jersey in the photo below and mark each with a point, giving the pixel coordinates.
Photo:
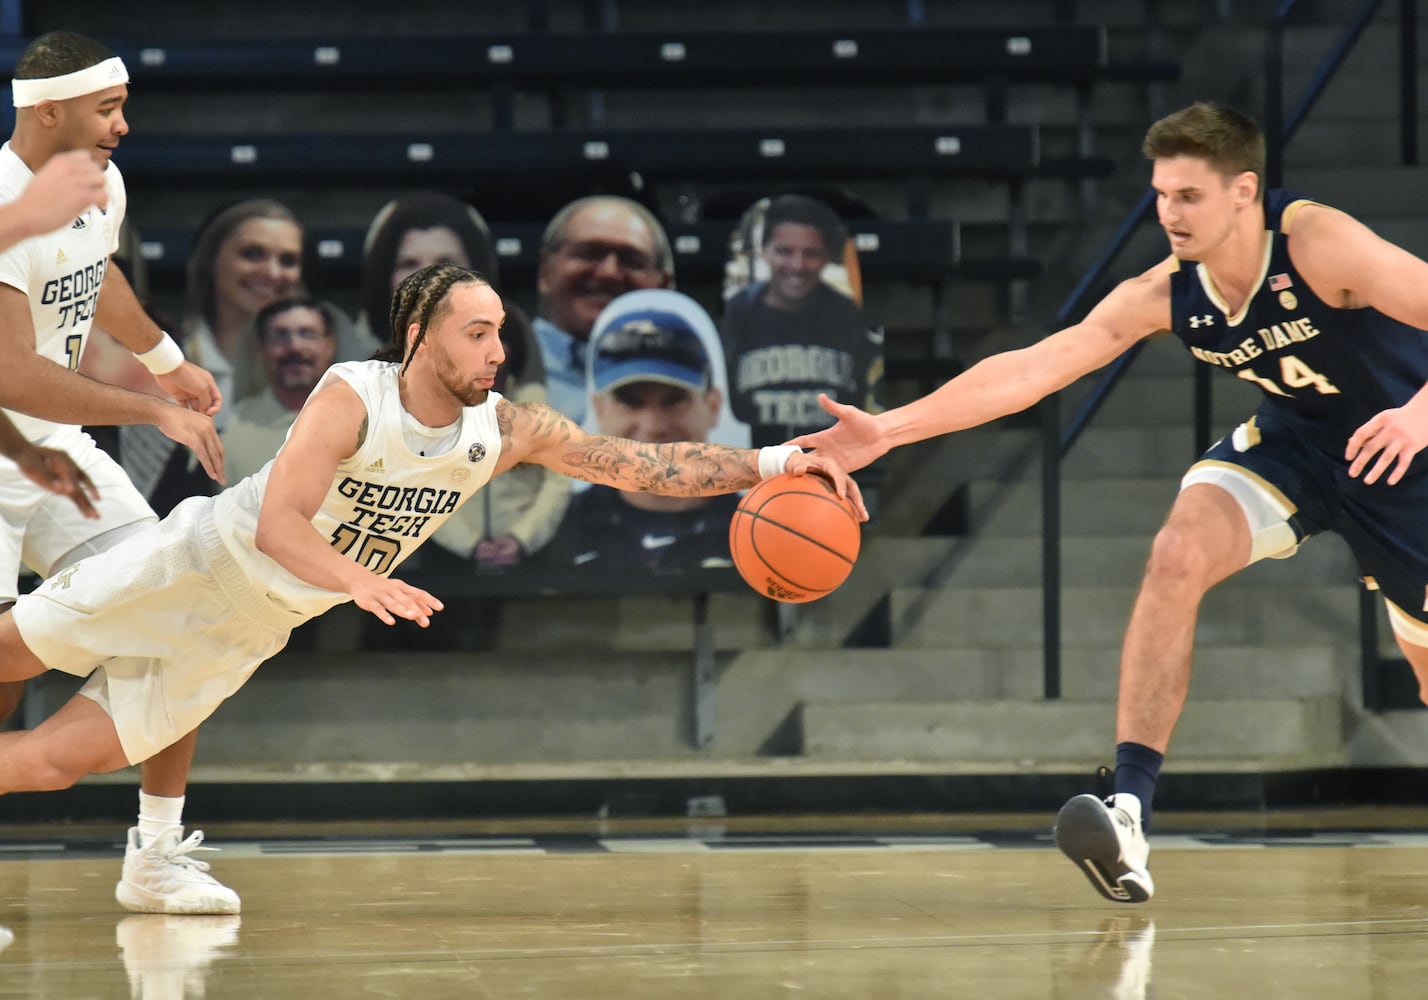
(1325, 369)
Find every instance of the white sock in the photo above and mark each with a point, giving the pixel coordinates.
(158, 813)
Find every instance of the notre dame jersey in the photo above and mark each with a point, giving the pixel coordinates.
(1325, 369)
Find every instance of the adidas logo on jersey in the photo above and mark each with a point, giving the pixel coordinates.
(79, 223)
(375, 467)
(60, 258)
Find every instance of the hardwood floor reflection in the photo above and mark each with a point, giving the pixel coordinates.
(670, 917)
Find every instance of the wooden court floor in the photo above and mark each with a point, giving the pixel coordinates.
(924, 908)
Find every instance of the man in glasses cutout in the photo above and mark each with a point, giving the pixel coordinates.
(594, 250)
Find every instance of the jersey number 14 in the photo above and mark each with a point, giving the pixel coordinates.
(1292, 373)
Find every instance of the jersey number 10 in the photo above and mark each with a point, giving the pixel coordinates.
(376, 552)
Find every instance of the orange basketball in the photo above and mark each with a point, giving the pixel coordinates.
(793, 539)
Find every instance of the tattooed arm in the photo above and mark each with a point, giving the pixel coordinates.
(535, 433)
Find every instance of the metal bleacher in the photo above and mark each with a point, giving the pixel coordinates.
(583, 146)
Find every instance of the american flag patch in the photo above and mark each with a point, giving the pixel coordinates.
(1279, 282)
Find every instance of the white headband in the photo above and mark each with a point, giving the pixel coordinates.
(94, 78)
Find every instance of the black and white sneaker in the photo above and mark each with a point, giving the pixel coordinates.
(1105, 840)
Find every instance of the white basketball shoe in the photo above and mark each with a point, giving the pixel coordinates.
(162, 877)
(1105, 839)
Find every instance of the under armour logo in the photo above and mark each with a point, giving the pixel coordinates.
(1199, 321)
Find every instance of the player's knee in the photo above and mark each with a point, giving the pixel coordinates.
(29, 767)
(1178, 558)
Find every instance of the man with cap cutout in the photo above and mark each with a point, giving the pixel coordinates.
(652, 379)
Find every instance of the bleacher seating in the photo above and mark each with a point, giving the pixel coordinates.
(567, 67)
(1066, 53)
(989, 150)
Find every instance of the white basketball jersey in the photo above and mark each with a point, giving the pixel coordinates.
(60, 273)
(384, 501)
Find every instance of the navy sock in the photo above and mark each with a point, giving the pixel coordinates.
(1137, 769)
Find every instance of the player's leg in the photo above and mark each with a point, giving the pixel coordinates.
(160, 875)
(77, 740)
(10, 690)
(1224, 518)
(1205, 539)
(61, 539)
(1414, 646)
(19, 501)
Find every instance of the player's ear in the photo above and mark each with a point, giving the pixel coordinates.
(48, 113)
(1246, 187)
(412, 330)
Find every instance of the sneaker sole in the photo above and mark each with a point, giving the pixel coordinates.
(1082, 832)
(137, 900)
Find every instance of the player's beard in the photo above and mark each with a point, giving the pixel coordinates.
(461, 388)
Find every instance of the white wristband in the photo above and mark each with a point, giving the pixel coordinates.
(773, 460)
(163, 357)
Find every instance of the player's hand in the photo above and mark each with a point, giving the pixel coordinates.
(1393, 438)
(853, 442)
(193, 387)
(802, 464)
(56, 471)
(392, 599)
(196, 432)
(67, 185)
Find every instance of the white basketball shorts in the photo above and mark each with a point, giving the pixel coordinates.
(165, 622)
(37, 527)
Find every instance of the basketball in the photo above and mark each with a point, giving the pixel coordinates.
(793, 538)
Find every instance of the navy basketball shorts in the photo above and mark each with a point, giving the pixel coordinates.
(1292, 489)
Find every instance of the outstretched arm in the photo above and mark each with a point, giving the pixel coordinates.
(533, 432)
(1005, 383)
(330, 428)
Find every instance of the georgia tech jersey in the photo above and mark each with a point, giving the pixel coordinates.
(384, 501)
(61, 273)
(1327, 369)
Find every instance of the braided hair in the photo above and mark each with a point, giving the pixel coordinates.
(419, 299)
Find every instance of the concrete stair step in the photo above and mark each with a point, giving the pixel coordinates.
(1157, 397)
(1121, 506)
(1096, 616)
(1103, 452)
(1151, 399)
(1091, 560)
(1017, 731)
(757, 685)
